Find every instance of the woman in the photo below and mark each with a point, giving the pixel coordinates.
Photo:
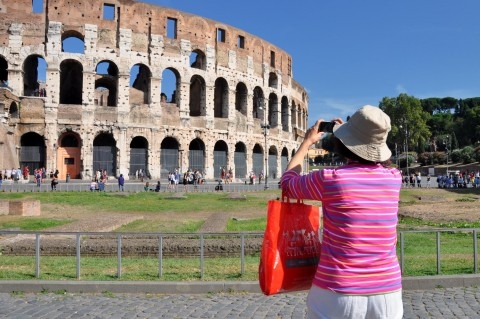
(358, 275)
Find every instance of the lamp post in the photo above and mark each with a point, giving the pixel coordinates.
(265, 126)
(396, 154)
(405, 146)
(447, 147)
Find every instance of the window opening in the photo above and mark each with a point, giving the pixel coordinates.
(73, 44)
(108, 11)
(37, 6)
(241, 42)
(221, 35)
(171, 28)
(272, 59)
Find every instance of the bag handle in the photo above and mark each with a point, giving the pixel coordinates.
(286, 199)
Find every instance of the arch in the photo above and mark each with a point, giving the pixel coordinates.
(198, 60)
(240, 160)
(69, 155)
(284, 111)
(258, 103)
(169, 151)
(293, 112)
(272, 162)
(196, 155)
(32, 151)
(273, 110)
(257, 159)
(34, 75)
(71, 82)
(105, 154)
(273, 80)
(106, 83)
(13, 111)
(241, 98)
(73, 42)
(170, 85)
(69, 140)
(220, 158)
(197, 103)
(284, 159)
(3, 70)
(140, 76)
(139, 156)
(220, 98)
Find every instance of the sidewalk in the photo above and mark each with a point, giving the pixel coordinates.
(202, 287)
(52, 302)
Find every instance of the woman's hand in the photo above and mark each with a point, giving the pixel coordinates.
(312, 135)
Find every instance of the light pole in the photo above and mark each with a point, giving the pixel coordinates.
(447, 147)
(406, 143)
(405, 146)
(265, 126)
(396, 155)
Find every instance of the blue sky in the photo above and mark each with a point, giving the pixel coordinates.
(349, 53)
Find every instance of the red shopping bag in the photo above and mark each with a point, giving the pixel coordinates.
(291, 247)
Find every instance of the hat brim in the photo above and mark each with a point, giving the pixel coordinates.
(354, 142)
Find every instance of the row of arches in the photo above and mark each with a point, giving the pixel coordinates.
(105, 156)
(107, 80)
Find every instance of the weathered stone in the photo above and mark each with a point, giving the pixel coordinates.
(225, 78)
(24, 207)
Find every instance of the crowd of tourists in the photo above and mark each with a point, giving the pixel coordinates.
(460, 180)
(455, 179)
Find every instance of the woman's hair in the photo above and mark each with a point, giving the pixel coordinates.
(340, 149)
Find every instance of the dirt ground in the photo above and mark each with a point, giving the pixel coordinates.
(427, 204)
(431, 209)
(443, 206)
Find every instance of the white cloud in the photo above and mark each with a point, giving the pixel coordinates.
(400, 89)
(330, 108)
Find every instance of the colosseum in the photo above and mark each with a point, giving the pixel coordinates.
(83, 88)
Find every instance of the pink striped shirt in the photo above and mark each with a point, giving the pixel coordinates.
(360, 206)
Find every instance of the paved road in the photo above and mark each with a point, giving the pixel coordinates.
(447, 303)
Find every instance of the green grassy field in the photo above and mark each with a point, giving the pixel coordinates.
(457, 256)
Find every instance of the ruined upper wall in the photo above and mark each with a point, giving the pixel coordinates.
(144, 20)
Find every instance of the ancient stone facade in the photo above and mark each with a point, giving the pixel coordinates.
(234, 101)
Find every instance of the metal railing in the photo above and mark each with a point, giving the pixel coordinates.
(135, 186)
(222, 245)
(448, 234)
(79, 244)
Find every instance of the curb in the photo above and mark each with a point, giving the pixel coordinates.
(128, 287)
(165, 287)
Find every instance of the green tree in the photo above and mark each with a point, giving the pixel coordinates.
(408, 120)
(469, 129)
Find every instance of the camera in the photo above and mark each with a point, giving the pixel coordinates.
(326, 127)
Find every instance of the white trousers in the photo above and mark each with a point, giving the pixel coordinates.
(326, 304)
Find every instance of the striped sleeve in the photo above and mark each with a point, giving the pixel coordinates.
(360, 207)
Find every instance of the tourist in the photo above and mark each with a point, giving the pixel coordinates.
(121, 182)
(93, 185)
(358, 274)
(53, 183)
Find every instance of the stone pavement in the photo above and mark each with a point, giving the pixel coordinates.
(446, 303)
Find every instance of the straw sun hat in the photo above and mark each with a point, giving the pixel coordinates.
(365, 134)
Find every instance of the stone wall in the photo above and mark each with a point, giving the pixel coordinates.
(228, 82)
(20, 207)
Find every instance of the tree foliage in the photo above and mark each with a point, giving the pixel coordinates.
(409, 122)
